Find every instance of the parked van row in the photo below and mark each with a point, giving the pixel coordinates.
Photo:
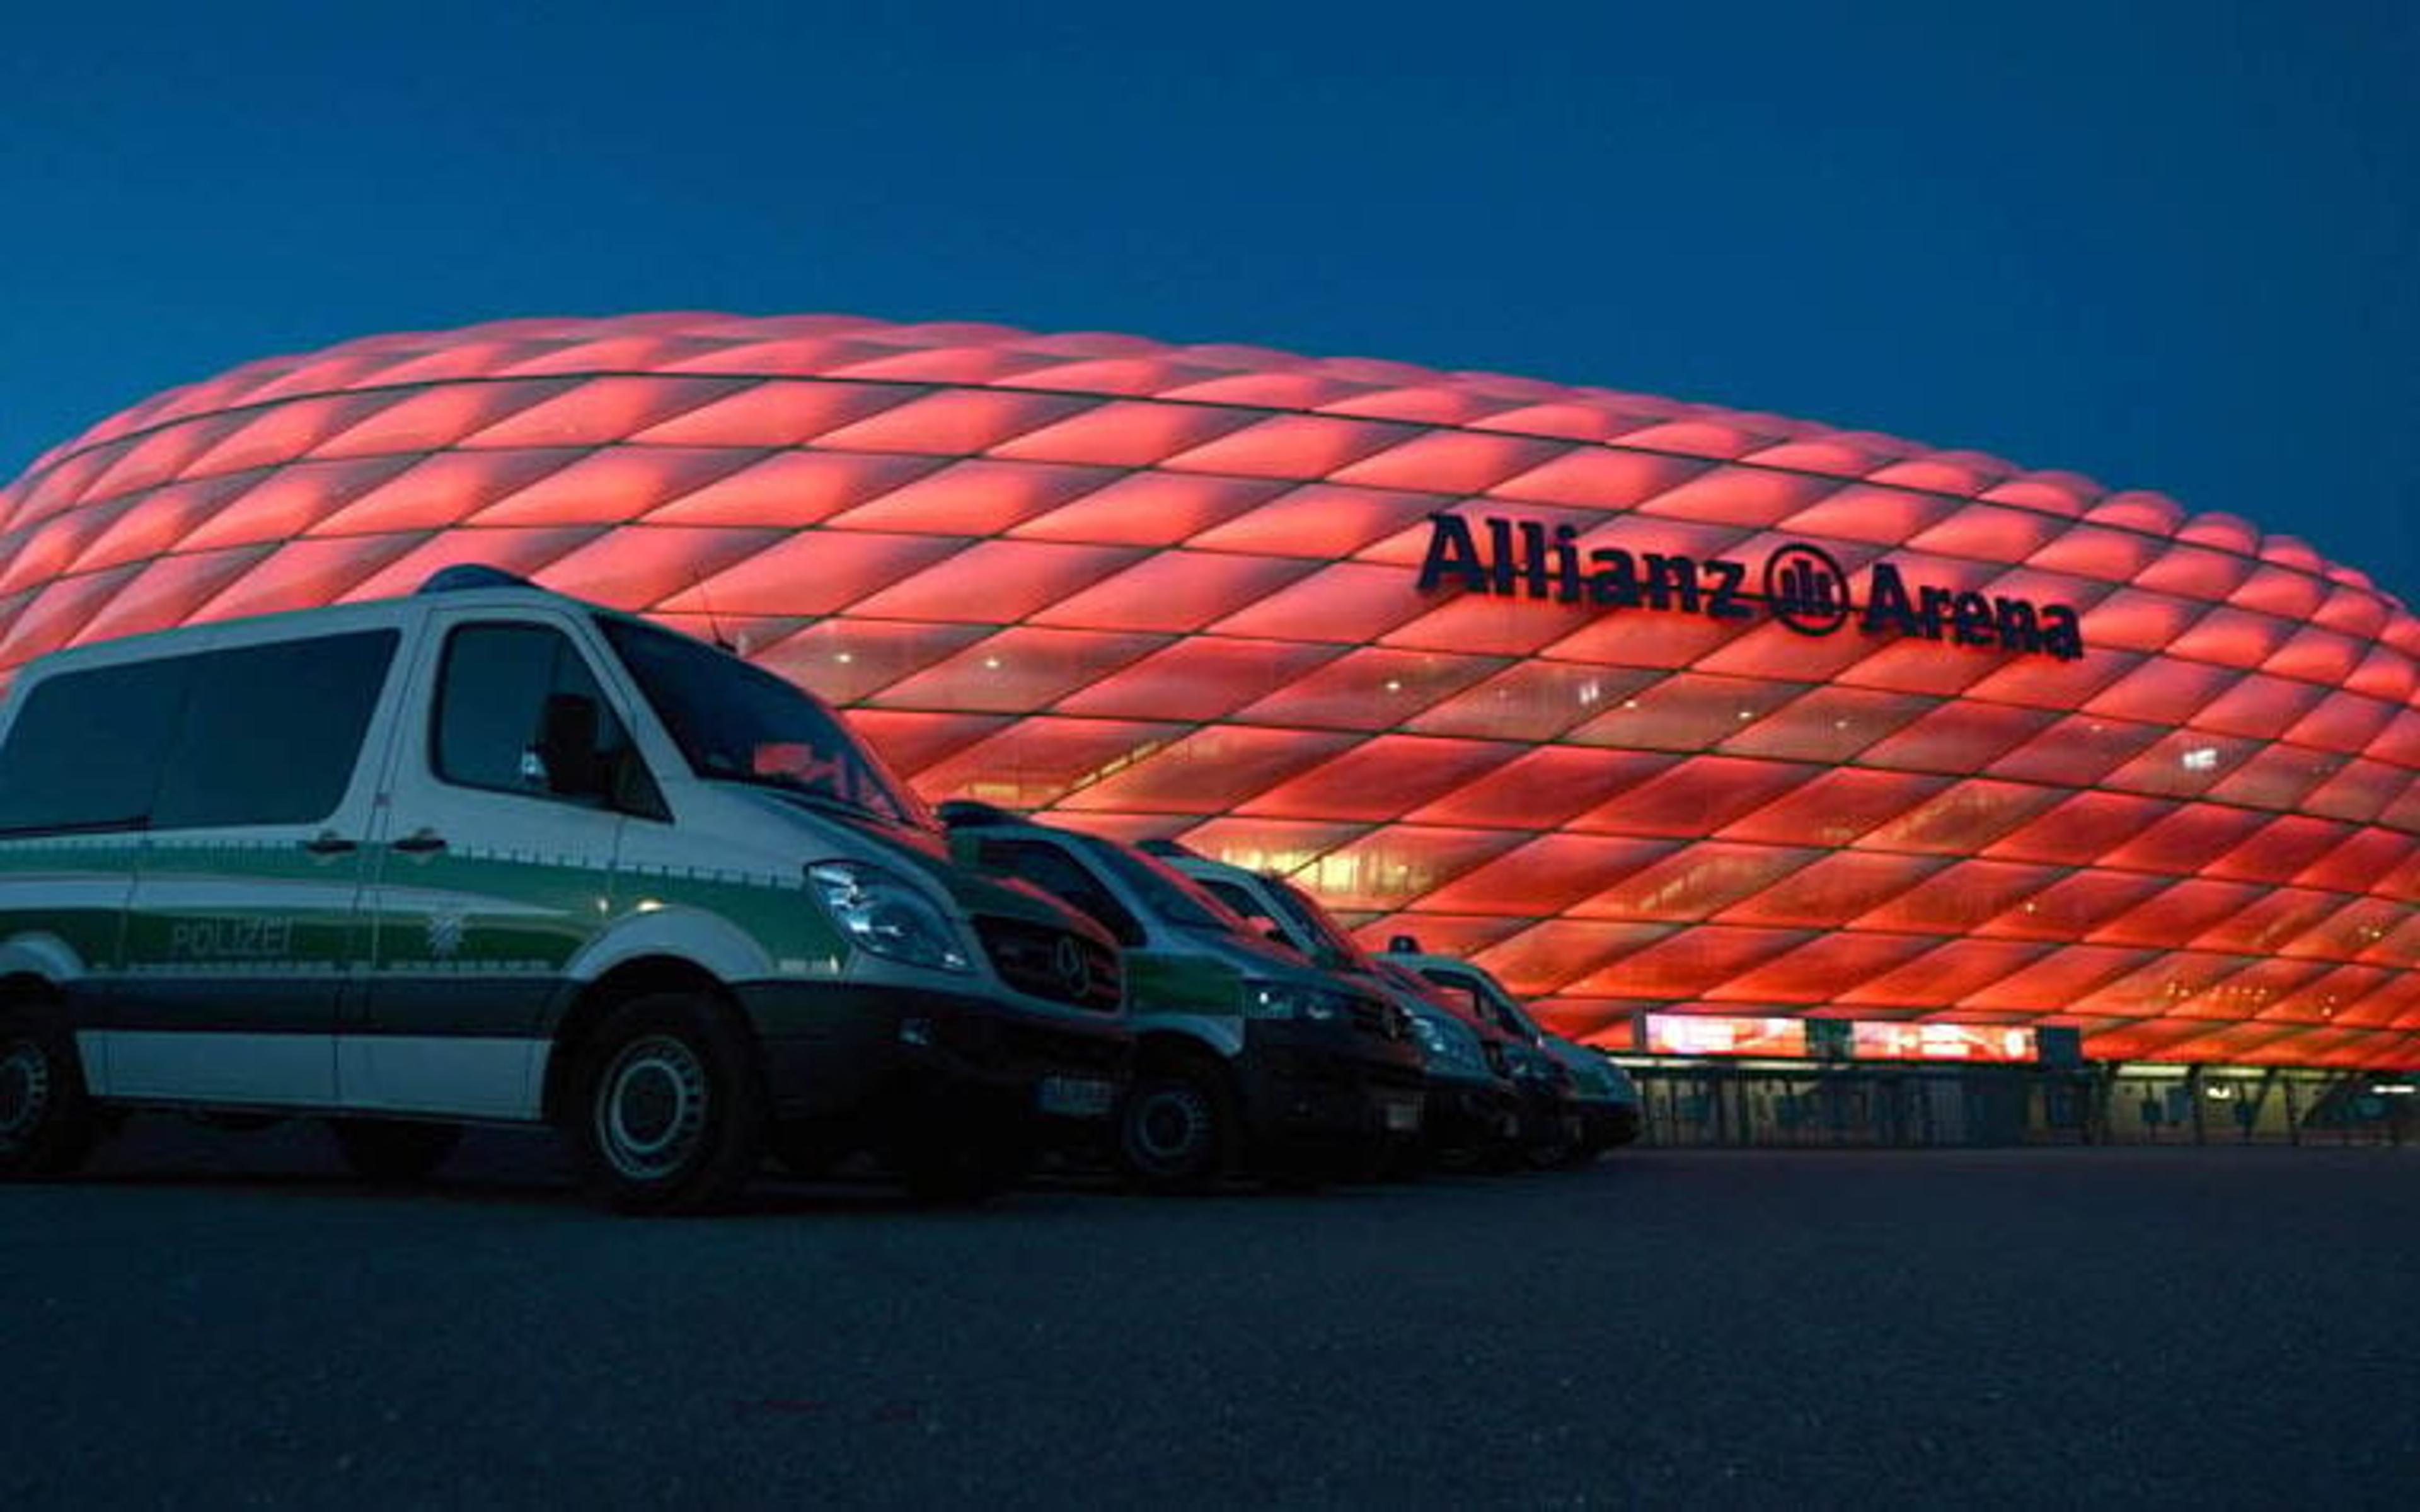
(491, 855)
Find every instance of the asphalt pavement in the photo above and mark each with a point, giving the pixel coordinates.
(213, 1320)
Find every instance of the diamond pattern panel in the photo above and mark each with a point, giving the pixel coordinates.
(1161, 590)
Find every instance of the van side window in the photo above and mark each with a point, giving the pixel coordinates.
(84, 753)
(272, 734)
(1065, 878)
(506, 695)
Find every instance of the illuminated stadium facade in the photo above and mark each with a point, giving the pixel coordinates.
(1688, 722)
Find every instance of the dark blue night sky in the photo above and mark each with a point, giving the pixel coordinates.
(2174, 246)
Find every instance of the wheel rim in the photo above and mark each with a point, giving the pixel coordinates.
(651, 1108)
(1171, 1127)
(24, 1091)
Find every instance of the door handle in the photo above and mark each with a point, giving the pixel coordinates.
(419, 842)
(328, 842)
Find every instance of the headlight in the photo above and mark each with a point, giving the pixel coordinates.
(1291, 1000)
(886, 916)
(1443, 1040)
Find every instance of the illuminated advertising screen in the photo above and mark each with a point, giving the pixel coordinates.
(1678, 1034)
(1942, 1042)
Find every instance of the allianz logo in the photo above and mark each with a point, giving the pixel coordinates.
(1798, 585)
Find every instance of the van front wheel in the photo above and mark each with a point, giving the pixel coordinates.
(47, 1121)
(1176, 1129)
(668, 1113)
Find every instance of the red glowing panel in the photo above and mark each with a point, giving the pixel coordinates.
(1450, 462)
(1687, 712)
(152, 523)
(1200, 678)
(1022, 576)
(1381, 779)
(953, 423)
(438, 417)
(1680, 1034)
(1962, 898)
(1373, 688)
(1319, 521)
(2073, 906)
(1542, 788)
(846, 660)
(1123, 435)
(284, 432)
(812, 574)
(1037, 762)
(1812, 973)
(1017, 669)
(1533, 700)
(1696, 797)
(775, 414)
(1958, 737)
(601, 411)
(1961, 820)
(1549, 956)
(1696, 883)
(1491, 626)
(612, 485)
(289, 501)
(1837, 807)
(1946, 973)
(525, 553)
(2057, 980)
(645, 565)
(1593, 479)
(1393, 866)
(1885, 516)
(1546, 875)
(160, 457)
(1345, 602)
(1291, 446)
(170, 591)
(1212, 770)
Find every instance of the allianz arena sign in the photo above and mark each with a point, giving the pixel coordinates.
(1799, 586)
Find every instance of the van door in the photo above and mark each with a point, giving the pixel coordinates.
(494, 866)
(77, 773)
(242, 932)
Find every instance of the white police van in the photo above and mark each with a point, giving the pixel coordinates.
(491, 854)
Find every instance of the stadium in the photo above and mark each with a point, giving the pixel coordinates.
(1718, 733)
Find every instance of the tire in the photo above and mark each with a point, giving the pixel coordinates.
(1176, 1129)
(667, 1106)
(394, 1151)
(47, 1123)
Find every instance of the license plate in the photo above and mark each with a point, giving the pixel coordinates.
(1402, 1118)
(1074, 1097)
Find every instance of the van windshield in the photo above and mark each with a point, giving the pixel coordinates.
(738, 723)
(1340, 950)
(1172, 894)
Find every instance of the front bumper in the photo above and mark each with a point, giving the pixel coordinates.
(1312, 1090)
(845, 1052)
(1472, 1117)
(1604, 1125)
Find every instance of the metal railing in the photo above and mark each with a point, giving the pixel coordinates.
(1702, 1105)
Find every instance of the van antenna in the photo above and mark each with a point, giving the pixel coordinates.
(713, 626)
